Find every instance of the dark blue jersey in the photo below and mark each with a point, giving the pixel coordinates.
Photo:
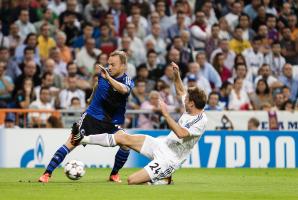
(108, 104)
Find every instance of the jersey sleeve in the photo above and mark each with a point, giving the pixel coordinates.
(197, 128)
(128, 83)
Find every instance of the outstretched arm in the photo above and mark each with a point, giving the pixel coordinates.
(180, 90)
(120, 87)
(174, 126)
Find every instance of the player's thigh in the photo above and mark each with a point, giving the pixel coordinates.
(134, 142)
(159, 169)
(138, 177)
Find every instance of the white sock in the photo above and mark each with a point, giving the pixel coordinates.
(105, 140)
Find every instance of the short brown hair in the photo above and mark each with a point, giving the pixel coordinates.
(122, 56)
(198, 96)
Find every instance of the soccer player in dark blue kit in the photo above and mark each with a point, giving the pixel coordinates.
(103, 115)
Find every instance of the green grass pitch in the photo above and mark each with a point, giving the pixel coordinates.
(202, 184)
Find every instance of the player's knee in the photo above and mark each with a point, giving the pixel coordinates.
(131, 180)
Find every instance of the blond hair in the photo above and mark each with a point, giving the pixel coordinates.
(122, 56)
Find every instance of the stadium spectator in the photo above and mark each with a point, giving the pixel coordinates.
(119, 16)
(4, 41)
(26, 95)
(40, 119)
(238, 44)
(73, 8)
(71, 91)
(228, 54)
(177, 28)
(48, 20)
(86, 57)
(106, 43)
(139, 21)
(292, 23)
(238, 99)
(79, 41)
(57, 6)
(271, 23)
(219, 66)
(143, 74)
(289, 47)
(10, 120)
(260, 19)
(6, 86)
(208, 71)
(195, 79)
(136, 44)
(45, 42)
(286, 92)
(289, 80)
(253, 124)
(54, 122)
(278, 100)
(155, 69)
(241, 72)
(65, 51)
(288, 106)
(138, 95)
(94, 10)
(200, 31)
(262, 95)
(72, 70)
(185, 51)
(151, 120)
(69, 27)
(275, 60)
(265, 73)
(253, 56)
(233, 16)
(30, 41)
(60, 65)
(213, 41)
(14, 37)
(25, 26)
(75, 104)
(213, 102)
(30, 71)
(168, 78)
(47, 80)
(160, 7)
(12, 69)
(158, 42)
(225, 29)
(244, 23)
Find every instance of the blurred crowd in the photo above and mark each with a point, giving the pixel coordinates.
(244, 54)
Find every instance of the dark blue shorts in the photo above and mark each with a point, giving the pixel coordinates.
(89, 125)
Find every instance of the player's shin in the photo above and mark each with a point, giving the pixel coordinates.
(57, 159)
(105, 140)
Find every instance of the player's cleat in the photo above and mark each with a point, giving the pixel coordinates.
(76, 135)
(44, 178)
(115, 178)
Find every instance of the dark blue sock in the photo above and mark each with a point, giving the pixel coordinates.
(57, 159)
(120, 159)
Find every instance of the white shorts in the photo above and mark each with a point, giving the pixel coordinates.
(163, 164)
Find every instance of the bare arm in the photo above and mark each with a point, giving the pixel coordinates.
(174, 126)
(120, 87)
(180, 90)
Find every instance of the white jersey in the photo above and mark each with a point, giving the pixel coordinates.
(196, 126)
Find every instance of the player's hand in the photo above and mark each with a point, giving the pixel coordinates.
(175, 69)
(163, 107)
(104, 73)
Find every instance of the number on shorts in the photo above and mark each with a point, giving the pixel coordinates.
(152, 167)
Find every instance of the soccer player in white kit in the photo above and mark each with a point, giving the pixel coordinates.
(167, 153)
